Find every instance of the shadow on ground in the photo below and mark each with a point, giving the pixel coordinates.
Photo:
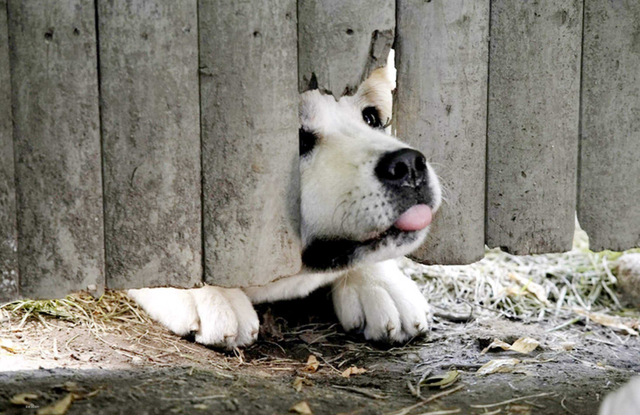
(146, 370)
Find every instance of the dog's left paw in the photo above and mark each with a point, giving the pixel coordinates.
(383, 301)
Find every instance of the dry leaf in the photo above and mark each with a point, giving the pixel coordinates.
(301, 408)
(498, 366)
(23, 399)
(524, 345)
(441, 381)
(9, 346)
(312, 364)
(606, 320)
(353, 370)
(496, 344)
(534, 288)
(200, 406)
(297, 384)
(59, 407)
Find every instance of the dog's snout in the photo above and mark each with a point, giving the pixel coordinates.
(406, 167)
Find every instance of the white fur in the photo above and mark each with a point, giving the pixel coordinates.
(217, 316)
(625, 401)
(383, 301)
(341, 197)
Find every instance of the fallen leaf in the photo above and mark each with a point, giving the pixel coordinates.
(353, 370)
(200, 406)
(23, 399)
(297, 384)
(606, 320)
(441, 381)
(312, 364)
(496, 344)
(9, 346)
(301, 408)
(534, 288)
(524, 345)
(59, 407)
(498, 366)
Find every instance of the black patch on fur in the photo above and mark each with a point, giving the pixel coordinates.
(329, 254)
(307, 141)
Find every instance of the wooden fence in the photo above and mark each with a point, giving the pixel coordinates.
(154, 142)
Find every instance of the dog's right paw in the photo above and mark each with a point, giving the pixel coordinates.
(220, 317)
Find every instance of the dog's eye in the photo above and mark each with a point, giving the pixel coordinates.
(307, 141)
(371, 116)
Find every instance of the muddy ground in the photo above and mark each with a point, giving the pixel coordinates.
(138, 369)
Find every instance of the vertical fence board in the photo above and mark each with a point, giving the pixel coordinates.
(441, 58)
(8, 241)
(57, 146)
(609, 183)
(151, 142)
(342, 42)
(534, 81)
(249, 104)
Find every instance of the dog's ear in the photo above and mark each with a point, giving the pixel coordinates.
(377, 91)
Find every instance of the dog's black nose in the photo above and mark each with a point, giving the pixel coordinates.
(402, 168)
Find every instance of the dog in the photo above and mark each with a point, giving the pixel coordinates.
(366, 200)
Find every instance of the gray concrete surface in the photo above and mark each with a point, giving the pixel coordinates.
(441, 58)
(8, 231)
(151, 142)
(534, 87)
(249, 101)
(341, 42)
(609, 183)
(57, 146)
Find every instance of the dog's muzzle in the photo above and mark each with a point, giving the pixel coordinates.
(405, 176)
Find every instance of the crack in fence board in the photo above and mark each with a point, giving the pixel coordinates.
(8, 231)
(341, 42)
(441, 58)
(249, 100)
(57, 146)
(151, 142)
(534, 81)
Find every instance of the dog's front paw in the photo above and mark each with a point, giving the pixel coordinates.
(221, 317)
(383, 301)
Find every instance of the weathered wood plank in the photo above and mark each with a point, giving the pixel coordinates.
(534, 87)
(249, 104)
(57, 146)
(609, 182)
(8, 232)
(151, 142)
(441, 58)
(341, 42)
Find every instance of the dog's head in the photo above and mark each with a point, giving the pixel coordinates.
(366, 197)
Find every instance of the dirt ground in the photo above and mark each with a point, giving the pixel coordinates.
(143, 369)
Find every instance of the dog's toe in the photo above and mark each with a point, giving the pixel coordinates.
(173, 308)
(388, 304)
(219, 317)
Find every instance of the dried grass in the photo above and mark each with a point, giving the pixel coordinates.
(505, 284)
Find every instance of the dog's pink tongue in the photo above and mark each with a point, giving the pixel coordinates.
(414, 219)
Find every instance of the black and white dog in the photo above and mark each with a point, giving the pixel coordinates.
(366, 199)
